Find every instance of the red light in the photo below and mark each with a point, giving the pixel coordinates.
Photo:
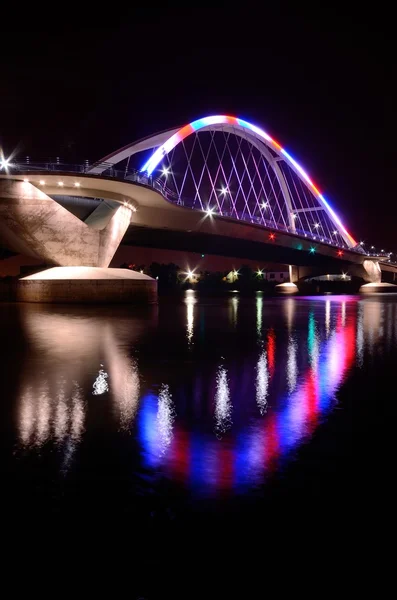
(272, 236)
(340, 253)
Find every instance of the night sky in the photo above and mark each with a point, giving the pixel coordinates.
(78, 86)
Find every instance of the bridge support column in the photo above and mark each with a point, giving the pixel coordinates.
(371, 273)
(289, 287)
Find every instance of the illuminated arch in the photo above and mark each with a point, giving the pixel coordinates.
(165, 142)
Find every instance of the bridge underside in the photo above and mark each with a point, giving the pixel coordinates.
(305, 264)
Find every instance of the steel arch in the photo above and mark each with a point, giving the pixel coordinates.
(166, 141)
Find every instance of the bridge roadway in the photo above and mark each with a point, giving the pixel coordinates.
(156, 222)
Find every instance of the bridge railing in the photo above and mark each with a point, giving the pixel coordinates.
(108, 170)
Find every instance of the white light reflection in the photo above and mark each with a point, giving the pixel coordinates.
(43, 414)
(100, 384)
(234, 310)
(125, 388)
(292, 368)
(61, 413)
(360, 335)
(289, 306)
(26, 417)
(43, 417)
(190, 301)
(262, 383)
(343, 314)
(327, 317)
(165, 417)
(223, 407)
(259, 308)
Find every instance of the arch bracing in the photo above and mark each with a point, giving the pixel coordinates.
(229, 166)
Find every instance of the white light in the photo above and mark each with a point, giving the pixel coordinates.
(60, 183)
(141, 271)
(382, 250)
(294, 216)
(316, 225)
(100, 384)
(42, 182)
(235, 273)
(372, 247)
(210, 211)
(335, 232)
(259, 272)
(165, 171)
(343, 275)
(265, 204)
(76, 184)
(190, 274)
(4, 163)
(224, 190)
(26, 180)
(361, 243)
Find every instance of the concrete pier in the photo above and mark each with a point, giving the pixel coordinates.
(86, 285)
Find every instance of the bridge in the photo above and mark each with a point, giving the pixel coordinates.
(219, 185)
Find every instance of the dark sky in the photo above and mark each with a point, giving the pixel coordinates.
(78, 85)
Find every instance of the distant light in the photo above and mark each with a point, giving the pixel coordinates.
(265, 204)
(259, 272)
(382, 250)
(4, 163)
(190, 274)
(202, 256)
(210, 211)
(340, 253)
(361, 243)
(272, 236)
(26, 180)
(224, 190)
(60, 183)
(294, 216)
(165, 171)
(235, 273)
(157, 277)
(316, 225)
(42, 182)
(312, 250)
(76, 184)
(343, 275)
(372, 247)
(335, 232)
(141, 271)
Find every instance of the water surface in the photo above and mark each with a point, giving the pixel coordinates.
(195, 406)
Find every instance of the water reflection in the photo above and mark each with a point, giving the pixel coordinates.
(262, 380)
(190, 301)
(223, 406)
(100, 384)
(259, 309)
(165, 418)
(88, 373)
(327, 316)
(292, 363)
(233, 310)
(74, 359)
(294, 381)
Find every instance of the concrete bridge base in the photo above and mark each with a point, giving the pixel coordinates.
(378, 288)
(287, 288)
(86, 285)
